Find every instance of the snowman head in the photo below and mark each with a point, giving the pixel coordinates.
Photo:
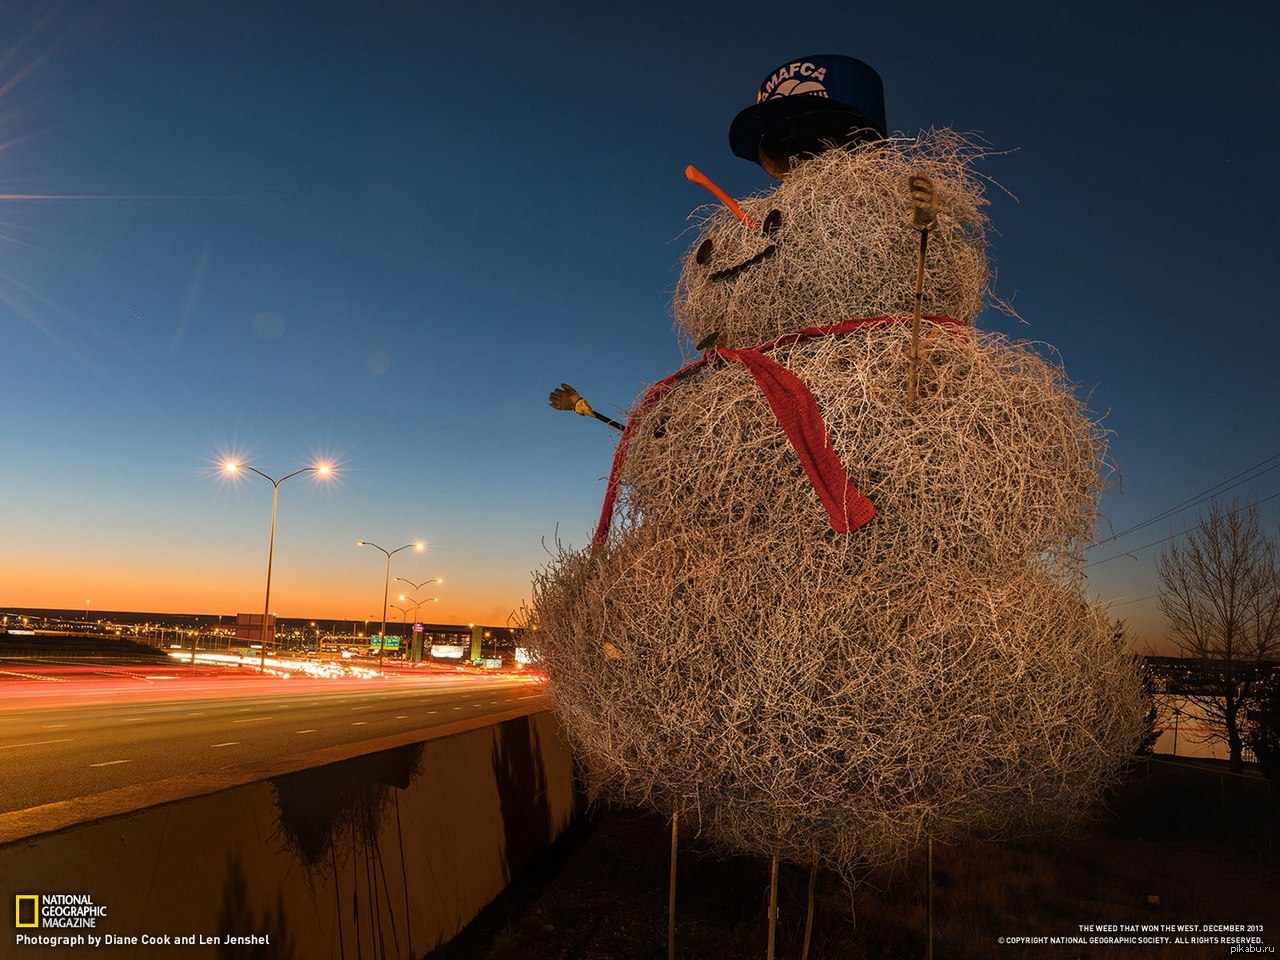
(835, 241)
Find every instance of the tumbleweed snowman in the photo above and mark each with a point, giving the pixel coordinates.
(833, 605)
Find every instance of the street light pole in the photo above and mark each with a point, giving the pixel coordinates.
(416, 607)
(404, 615)
(414, 643)
(271, 552)
(322, 469)
(419, 586)
(386, 587)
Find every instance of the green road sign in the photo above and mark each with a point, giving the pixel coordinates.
(375, 642)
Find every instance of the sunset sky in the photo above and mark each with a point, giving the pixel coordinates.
(378, 234)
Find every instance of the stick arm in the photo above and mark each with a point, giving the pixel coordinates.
(565, 397)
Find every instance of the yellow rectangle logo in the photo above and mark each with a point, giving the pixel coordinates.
(26, 910)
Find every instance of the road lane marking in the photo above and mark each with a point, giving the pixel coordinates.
(131, 719)
(252, 719)
(360, 723)
(229, 743)
(32, 676)
(433, 711)
(108, 763)
(35, 743)
(304, 731)
(54, 726)
(369, 707)
(401, 716)
(457, 708)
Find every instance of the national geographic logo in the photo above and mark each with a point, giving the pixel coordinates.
(57, 910)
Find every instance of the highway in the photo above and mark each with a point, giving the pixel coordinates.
(66, 737)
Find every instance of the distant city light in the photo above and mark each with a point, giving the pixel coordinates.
(285, 667)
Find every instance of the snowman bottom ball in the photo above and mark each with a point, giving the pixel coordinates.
(801, 719)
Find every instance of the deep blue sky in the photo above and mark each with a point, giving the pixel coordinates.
(382, 232)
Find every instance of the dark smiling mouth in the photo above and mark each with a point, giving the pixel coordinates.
(728, 273)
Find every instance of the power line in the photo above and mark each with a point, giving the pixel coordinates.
(1217, 488)
(1123, 603)
(1156, 543)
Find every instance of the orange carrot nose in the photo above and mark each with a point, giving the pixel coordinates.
(700, 178)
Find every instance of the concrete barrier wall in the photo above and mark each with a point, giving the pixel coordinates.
(383, 855)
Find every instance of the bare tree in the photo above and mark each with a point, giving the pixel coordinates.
(1264, 731)
(1220, 591)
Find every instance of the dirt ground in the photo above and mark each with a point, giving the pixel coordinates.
(1171, 849)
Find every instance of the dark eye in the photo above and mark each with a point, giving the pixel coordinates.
(704, 252)
(772, 222)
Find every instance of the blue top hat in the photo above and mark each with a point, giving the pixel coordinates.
(807, 104)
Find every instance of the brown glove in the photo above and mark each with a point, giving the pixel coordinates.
(567, 398)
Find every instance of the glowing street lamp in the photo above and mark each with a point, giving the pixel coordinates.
(233, 468)
(386, 587)
(416, 605)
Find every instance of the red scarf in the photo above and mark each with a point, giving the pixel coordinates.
(797, 413)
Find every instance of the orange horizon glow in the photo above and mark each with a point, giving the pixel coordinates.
(302, 588)
(301, 595)
(160, 605)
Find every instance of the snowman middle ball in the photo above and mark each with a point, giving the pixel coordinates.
(997, 465)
